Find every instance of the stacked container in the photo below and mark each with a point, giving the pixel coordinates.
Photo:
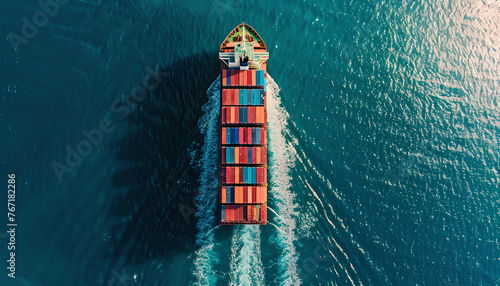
(243, 166)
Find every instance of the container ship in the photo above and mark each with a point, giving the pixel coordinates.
(243, 128)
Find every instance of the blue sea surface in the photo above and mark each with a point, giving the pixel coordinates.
(384, 154)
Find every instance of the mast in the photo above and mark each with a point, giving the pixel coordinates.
(243, 27)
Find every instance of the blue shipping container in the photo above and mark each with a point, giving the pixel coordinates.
(222, 212)
(249, 175)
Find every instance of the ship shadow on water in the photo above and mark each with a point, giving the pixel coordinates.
(160, 182)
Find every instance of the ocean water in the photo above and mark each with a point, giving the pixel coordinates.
(384, 129)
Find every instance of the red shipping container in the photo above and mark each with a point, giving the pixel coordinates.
(228, 212)
(223, 155)
(263, 213)
(249, 135)
(249, 77)
(224, 96)
(223, 175)
(236, 175)
(236, 115)
(240, 212)
(244, 129)
(240, 135)
(241, 155)
(254, 194)
(231, 120)
(249, 114)
(249, 213)
(254, 114)
(233, 78)
(263, 154)
(233, 213)
(224, 80)
(245, 195)
(245, 155)
(259, 175)
(263, 136)
(223, 135)
(236, 95)
(228, 175)
(233, 180)
(223, 115)
(240, 77)
(236, 77)
(236, 213)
